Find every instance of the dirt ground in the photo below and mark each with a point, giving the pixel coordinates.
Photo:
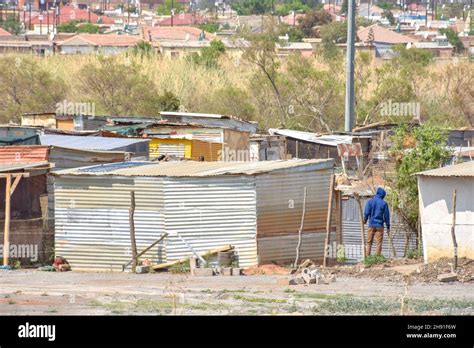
(33, 292)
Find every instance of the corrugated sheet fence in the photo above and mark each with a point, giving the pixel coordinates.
(351, 232)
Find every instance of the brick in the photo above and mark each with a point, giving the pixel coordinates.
(203, 272)
(227, 271)
(142, 269)
(447, 277)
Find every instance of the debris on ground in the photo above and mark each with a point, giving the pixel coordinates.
(311, 275)
(265, 270)
(47, 269)
(60, 264)
(400, 269)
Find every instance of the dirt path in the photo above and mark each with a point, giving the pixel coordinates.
(72, 293)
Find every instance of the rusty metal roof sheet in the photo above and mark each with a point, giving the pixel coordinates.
(11, 167)
(23, 154)
(462, 169)
(199, 169)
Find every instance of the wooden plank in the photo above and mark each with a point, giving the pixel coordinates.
(6, 233)
(362, 228)
(14, 175)
(213, 251)
(453, 232)
(145, 250)
(329, 218)
(15, 184)
(132, 230)
(298, 246)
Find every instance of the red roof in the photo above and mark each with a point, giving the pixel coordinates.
(101, 40)
(3, 32)
(24, 154)
(174, 33)
(183, 19)
(69, 13)
(382, 34)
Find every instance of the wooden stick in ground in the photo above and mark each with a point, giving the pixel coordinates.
(453, 232)
(300, 231)
(6, 232)
(132, 230)
(145, 250)
(362, 227)
(328, 220)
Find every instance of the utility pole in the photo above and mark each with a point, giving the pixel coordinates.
(349, 107)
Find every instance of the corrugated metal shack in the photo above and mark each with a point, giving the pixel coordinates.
(29, 225)
(255, 206)
(138, 147)
(16, 135)
(435, 190)
(312, 145)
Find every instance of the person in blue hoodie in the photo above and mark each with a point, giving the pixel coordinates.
(377, 213)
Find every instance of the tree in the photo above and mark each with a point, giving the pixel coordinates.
(414, 150)
(143, 48)
(294, 33)
(119, 88)
(27, 87)
(312, 19)
(453, 39)
(251, 7)
(209, 56)
(291, 6)
(388, 15)
(11, 24)
(88, 28)
(261, 52)
(75, 26)
(168, 102)
(165, 8)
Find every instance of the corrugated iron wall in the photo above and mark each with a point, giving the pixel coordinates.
(280, 202)
(24, 154)
(279, 211)
(92, 225)
(210, 151)
(351, 232)
(282, 249)
(179, 148)
(211, 212)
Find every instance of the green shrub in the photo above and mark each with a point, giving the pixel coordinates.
(374, 260)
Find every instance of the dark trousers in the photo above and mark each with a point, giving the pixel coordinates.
(377, 233)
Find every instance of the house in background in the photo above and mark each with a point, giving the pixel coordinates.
(383, 39)
(436, 188)
(97, 43)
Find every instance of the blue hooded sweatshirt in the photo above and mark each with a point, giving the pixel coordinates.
(376, 210)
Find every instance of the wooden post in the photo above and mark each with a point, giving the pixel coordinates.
(328, 221)
(9, 189)
(362, 228)
(6, 233)
(300, 231)
(338, 198)
(453, 234)
(132, 230)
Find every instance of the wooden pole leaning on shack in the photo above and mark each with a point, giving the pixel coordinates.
(329, 218)
(453, 232)
(163, 236)
(9, 189)
(131, 219)
(362, 227)
(300, 231)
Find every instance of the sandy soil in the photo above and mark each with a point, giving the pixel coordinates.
(74, 293)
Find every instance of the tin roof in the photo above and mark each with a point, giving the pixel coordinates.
(462, 169)
(328, 139)
(89, 142)
(23, 154)
(199, 169)
(11, 167)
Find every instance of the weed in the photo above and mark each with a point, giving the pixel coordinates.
(11, 302)
(289, 291)
(259, 299)
(414, 253)
(52, 310)
(374, 259)
(180, 267)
